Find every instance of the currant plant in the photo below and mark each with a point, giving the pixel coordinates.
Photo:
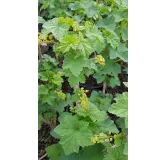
(77, 40)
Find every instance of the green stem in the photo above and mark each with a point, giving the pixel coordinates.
(118, 60)
(97, 2)
(77, 86)
(104, 88)
(43, 156)
(40, 53)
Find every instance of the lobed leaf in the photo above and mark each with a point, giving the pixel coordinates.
(73, 133)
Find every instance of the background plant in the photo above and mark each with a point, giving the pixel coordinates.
(87, 38)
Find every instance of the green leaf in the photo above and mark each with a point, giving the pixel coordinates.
(120, 108)
(114, 81)
(92, 112)
(49, 98)
(58, 106)
(55, 11)
(88, 72)
(111, 68)
(121, 123)
(125, 3)
(107, 23)
(90, 64)
(94, 96)
(126, 122)
(41, 1)
(118, 139)
(121, 52)
(94, 152)
(42, 107)
(49, 115)
(53, 134)
(58, 29)
(73, 134)
(124, 33)
(119, 16)
(45, 5)
(48, 74)
(74, 6)
(78, 18)
(107, 126)
(99, 77)
(113, 39)
(126, 84)
(69, 42)
(125, 151)
(95, 35)
(76, 42)
(73, 156)
(116, 153)
(54, 151)
(43, 90)
(74, 64)
(64, 114)
(57, 80)
(73, 80)
(91, 10)
(84, 45)
(39, 121)
(100, 102)
(42, 77)
(40, 20)
(46, 66)
(113, 54)
(69, 100)
(47, 58)
(104, 10)
(104, 103)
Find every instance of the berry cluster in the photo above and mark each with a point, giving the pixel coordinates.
(59, 74)
(48, 39)
(83, 99)
(75, 26)
(61, 95)
(100, 60)
(101, 137)
(72, 109)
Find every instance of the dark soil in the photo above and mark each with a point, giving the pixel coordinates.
(119, 89)
(91, 85)
(66, 87)
(44, 140)
(39, 27)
